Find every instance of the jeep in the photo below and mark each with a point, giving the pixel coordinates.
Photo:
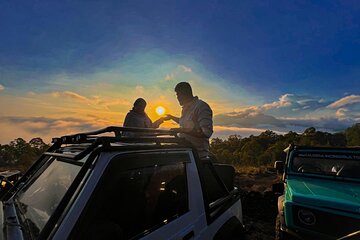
(97, 185)
(320, 193)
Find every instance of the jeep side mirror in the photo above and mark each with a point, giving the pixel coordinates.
(279, 166)
(278, 188)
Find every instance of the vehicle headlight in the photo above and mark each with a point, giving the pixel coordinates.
(306, 217)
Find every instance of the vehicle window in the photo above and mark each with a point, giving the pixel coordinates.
(132, 201)
(342, 165)
(39, 199)
(213, 188)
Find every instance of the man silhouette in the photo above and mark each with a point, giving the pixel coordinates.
(196, 119)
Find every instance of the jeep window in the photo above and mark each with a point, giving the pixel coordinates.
(342, 165)
(39, 198)
(213, 187)
(136, 195)
(214, 190)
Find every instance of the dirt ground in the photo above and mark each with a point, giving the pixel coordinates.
(259, 204)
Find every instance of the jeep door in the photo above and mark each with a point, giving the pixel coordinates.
(147, 195)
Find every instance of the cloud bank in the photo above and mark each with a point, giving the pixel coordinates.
(296, 113)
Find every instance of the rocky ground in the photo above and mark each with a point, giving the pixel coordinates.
(259, 204)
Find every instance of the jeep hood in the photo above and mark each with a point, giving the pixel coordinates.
(325, 193)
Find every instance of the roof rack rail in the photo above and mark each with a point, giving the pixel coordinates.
(157, 136)
(88, 136)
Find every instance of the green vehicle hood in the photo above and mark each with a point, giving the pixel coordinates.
(324, 193)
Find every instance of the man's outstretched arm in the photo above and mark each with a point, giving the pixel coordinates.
(171, 117)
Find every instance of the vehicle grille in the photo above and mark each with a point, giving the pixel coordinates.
(326, 223)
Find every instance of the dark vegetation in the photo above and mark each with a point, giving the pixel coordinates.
(19, 154)
(265, 149)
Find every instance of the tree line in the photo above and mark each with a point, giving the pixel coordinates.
(19, 154)
(265, 149)
(262, 150)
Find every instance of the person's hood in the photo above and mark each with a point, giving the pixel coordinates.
(325, 193)
(137, 113)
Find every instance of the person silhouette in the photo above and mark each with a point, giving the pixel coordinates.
(138, 118)
(196, 122)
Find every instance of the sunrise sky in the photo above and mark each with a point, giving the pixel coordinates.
(73, 66)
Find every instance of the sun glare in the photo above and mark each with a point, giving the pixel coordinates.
(160, 110)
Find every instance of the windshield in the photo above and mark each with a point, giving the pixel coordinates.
(38, 200)
(342, 165)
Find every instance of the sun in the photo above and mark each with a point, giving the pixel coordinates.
(160, 110)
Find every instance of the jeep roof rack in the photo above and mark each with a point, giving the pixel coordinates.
(96, 138)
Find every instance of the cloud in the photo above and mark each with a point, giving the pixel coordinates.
(295, 103)
(180, 73)
(247, 119)
(284, 101)
(95, 101)
(139, 89)
(345, 101)
(76, 96)
(332, 124)
(48, 128)
(185, 68)
(259, 120)
(72, 95)
(288, 104)
(225, 132)
(345, 113)
(2, 87)
(278, 115)
(169, 77)
(31, 93)
(341, 113)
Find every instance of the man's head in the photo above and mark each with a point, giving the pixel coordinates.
(139, 105)
(184, 93)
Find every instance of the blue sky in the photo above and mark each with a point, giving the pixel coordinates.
(288, 60)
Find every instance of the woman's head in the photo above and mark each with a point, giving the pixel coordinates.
(139, 105)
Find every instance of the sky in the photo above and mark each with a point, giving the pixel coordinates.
(74, 66)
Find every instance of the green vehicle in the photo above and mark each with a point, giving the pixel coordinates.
(320, 194)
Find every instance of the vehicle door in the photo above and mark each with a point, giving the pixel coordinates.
(145, 195)
(221, 204)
